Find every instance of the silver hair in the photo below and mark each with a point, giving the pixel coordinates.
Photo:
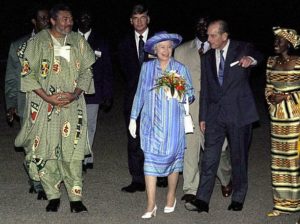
(155, 45)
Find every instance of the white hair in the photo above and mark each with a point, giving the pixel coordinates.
(155, 45)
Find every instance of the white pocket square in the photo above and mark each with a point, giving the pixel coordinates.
(98, 53)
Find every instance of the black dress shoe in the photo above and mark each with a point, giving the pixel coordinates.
(227, 190)
(188, 198)
(89, 165)
(77, 206)
(32, 190)
(83, 168)
(235, 206)
(197, 205)
(133, 187)
(42, 195)
(162, 182)
(53, 205)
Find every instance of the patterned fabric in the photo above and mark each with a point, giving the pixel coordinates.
(289, 34)
(285, 129)
(50, 132)
(161, 129)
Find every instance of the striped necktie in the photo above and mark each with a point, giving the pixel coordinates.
(221, 68)
(201, 49)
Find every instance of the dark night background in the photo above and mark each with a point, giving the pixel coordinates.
(250, 20)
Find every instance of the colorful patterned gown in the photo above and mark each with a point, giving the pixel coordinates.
(161, 126)
(285, 128)
(51, 133)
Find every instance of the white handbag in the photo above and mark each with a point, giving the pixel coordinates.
(188, 121)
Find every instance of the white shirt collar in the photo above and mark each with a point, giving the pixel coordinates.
(145, 35)
(32, 33)
(199, 42)
(86, 35)
(217, 53)
(225, 49)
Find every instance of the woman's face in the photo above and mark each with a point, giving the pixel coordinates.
(281, 45)
(164, 50)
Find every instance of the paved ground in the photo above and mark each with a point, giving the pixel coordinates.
(102, 195)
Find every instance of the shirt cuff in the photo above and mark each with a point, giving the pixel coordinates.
(254, 62)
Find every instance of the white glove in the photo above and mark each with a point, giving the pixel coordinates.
(132, 128)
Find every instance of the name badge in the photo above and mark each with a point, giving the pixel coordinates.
(63, 51)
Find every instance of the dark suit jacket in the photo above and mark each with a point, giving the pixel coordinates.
(130, 67)
(102, 70)
(234, 98)
(13, 96)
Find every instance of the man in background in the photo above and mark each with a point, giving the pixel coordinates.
(131, 56)
(103, 77)
(14, 98)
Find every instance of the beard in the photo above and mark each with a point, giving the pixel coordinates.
(64, 31)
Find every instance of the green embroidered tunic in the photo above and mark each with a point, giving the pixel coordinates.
(51, 132)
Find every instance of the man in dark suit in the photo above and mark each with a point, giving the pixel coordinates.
(227, 109)
(103, 76)
(190, 54)
(15, 99)
(132, 55)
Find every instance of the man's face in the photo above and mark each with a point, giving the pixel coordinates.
(42, 20)
(201, 29)
(84, 22)
(140, 22)
(216, 39)
(63, 23)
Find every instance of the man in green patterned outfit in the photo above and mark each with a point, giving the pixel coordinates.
(56, 69)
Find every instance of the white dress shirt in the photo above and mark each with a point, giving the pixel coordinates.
(206, 46)
(225, 50)
(86, 35)
(218, 55)
(137, 38)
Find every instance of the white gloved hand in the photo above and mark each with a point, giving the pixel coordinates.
(132, 128)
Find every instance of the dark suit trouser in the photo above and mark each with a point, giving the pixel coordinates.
(135, 154)
(239, 140)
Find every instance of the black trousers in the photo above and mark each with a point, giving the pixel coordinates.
(239, 140)
(135, 153)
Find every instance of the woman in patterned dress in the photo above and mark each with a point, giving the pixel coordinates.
(162, 120)
(283, 97)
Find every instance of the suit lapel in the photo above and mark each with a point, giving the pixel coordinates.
(213, 64)
(147, 55)
(133, 45)
(230, 57)
(91, 39)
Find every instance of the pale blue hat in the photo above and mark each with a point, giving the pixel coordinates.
(159, 37)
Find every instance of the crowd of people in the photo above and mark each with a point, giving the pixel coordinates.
(58, 79)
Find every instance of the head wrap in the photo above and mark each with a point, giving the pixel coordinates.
(288, 34)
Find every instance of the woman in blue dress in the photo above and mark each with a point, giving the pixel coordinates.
(162, 119)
